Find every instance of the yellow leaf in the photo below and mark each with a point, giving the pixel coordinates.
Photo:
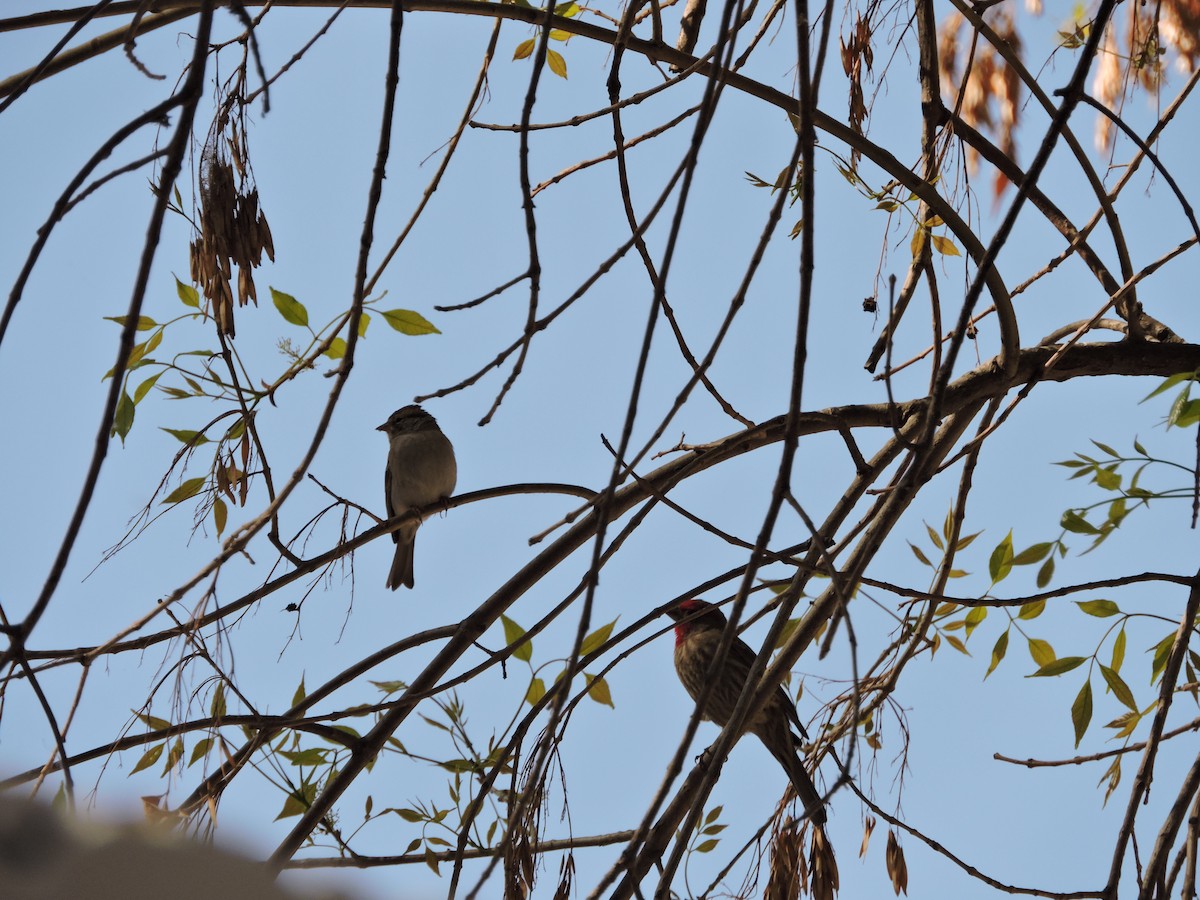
(557, 64)
(523, 49)
(537, 690)
(918, 242)
(1041, 651)
(944, 245)
(598, 690)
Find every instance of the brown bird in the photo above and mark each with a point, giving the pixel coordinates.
(697, 637)
(420, 471)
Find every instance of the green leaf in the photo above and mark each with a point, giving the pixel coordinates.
(1041, 651)
(388, 687)
(312, 756)
(706, 846)
(1045, 573)
(153, 722)
(1161, 652)
(217, 707)
(1184, 414)
(144, 388)
(1126, 724)
(596, 639)
(974, 616)
(189, 488)
(149, 758)
(200, 751)
(408, 322)
(173, 756)
(1059, 666)
(1076, 523)
(409, 815)
(964, 542)
(1108, 479)
(919, 555)
(1138, 448)
(998, 650)
(122, 417)
(1117, 685)
(1169, 383)
(1032, 609)
(187, 294)
(1001, 561)
(300, 694)
(1101, 609)
(598, 690)
(537, 690)
(513, 633)
(431, 860)
(135, 357)
(144, 323)
(337, 348)
(1081, 711)
(290, 308)
(1118, 651)
(1033, 554)
(297, 802)
(220, 515)
(934, 536)
(957, 645)
(1107, 449)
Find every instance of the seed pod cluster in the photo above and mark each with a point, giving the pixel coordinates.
(233, 230)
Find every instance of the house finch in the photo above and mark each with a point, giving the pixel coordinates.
(697, 637)
(420, 470)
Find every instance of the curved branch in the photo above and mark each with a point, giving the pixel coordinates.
(924, 191)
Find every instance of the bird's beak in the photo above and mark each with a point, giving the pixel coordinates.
(382, 427)
(675, 613)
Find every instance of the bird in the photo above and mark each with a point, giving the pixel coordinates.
(698, 629)
(420, 470)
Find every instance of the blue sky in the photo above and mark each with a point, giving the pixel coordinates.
(312, 156)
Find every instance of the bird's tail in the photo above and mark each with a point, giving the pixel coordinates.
(402, 562)
(814, 808)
